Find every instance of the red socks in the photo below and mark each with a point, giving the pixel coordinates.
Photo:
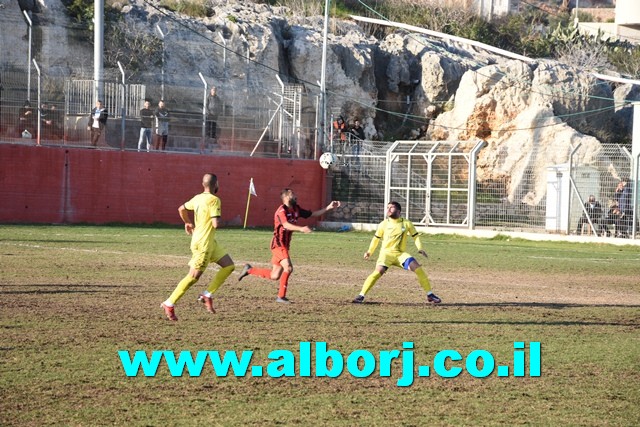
(284, 281)
(265, 273)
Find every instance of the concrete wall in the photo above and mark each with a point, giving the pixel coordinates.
(75, 185)
(627, 12)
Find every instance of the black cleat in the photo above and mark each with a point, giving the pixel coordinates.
(245, 271)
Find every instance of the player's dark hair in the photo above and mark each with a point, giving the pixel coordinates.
(211, 181)
(397, 205)
(285, 191)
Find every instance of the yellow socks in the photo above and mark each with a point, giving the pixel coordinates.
(182, 287)
(371, 280)
(220, 277)
(423, 279)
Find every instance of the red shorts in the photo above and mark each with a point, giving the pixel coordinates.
(279, 254)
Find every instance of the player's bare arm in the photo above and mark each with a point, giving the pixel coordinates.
(184, 215)
(333, 205)
(291, 227)
(215, 222)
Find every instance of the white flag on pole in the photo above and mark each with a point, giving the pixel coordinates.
(252, 188)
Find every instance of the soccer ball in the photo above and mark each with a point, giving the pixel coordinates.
(327, 159)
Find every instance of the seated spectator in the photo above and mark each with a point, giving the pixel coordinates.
(592, 211)
(615, 218)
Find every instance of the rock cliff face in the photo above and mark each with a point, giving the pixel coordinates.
(530, 114)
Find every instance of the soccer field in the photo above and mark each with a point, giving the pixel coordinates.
(72, 297)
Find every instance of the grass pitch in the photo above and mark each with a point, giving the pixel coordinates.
(71, 297)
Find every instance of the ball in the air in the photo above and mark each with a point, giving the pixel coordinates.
(327, 159)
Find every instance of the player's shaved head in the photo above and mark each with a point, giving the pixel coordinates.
(210, 182)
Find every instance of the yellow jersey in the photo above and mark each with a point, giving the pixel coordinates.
(393, 233)
(204, 206)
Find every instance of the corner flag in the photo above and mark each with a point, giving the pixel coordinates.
(252, 192)
(252, 188)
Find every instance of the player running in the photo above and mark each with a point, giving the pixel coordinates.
(204, 248)
(393, 232)
(285, 220)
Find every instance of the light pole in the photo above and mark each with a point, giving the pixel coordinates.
(162, 37)
(98, 49)
(204, 112)
(323, 77)
(39, 118)
(26, 16)
(123, 111)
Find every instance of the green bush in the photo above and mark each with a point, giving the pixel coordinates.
(193, 8)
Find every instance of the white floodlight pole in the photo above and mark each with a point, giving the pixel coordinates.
(162, 37)
(204, 112)
(26, 15)
(323, 76)
(123, 110)
(35, 64)
(576, 20)
(98, 48)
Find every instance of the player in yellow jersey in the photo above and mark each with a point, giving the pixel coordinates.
(204, 248)
(393, 232)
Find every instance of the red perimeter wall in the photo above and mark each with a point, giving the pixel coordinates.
(75, 185)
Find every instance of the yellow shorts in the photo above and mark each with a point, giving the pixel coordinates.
(389, 259)
(202, 257)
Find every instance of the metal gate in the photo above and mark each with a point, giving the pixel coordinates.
(434, 181)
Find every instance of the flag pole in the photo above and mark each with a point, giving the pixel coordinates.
(246, 214)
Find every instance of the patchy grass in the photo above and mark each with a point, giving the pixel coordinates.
(71, 297)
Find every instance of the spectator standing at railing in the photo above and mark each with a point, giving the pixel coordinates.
(357, 136)
(27, 119)
(162, 126)
(97, 122)
(58, 122)
(146, 126)
(46, 121)
(625, 204)
(214, 108)
(340, 133)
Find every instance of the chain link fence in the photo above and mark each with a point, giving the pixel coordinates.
(277, 120)
(436, 186)
(280, 120)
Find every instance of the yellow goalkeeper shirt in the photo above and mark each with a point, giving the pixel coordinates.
(393, 233)
(204, 206)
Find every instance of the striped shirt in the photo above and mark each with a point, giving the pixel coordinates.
(281, 236)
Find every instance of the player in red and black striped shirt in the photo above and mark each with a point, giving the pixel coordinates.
(284, 224)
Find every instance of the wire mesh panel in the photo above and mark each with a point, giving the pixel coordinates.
(429, 179)
(432, 178)
(601, 198)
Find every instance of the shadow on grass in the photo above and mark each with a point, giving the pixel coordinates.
(45, 289)
(51, 292)
(551, 305)
(42, 242)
